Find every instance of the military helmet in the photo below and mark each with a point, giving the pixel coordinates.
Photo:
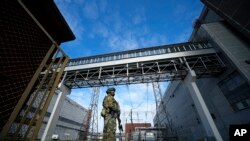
(110, 89)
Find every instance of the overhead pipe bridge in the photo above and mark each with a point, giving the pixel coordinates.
(154, 64)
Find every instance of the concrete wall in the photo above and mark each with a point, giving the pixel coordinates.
(237, 49)
(70, 120)
(182, 113)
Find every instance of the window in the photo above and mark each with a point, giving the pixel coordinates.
(243, 104)
(237, 91)
(184, 48)
(83, 61)
(152, 52)
(178, 49)
(174, 49)
(209, 45)
(239, 105)
(194, 47)
(163, 51)
(158, 51)
(137, 54)
(119, 56)
(148, 53)
(133, 54)
(143, 53)
(190, 47)
(77, 63)
(200, 46)
(124, 56)
(169, 50)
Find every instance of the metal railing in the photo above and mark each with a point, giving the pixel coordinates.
(181, 47)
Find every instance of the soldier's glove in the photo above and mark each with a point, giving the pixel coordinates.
(119, 120)
(113, 109)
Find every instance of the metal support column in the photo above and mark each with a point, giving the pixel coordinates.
(50, 127)
(94, 113)
(158, 98)
(207, 121)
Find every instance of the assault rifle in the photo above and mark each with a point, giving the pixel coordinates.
(120, 128)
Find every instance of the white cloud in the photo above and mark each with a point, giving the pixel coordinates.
(121, 43)
(142, 99)
(120, 34)
(139, 16)
(72, 15)
(90, 10)
(101, 30)
(153, 40)
(183, 37)
(130, 39)
(81, 96)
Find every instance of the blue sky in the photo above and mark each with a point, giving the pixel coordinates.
(107, 26)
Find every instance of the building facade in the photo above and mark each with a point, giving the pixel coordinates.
(71, 120)
(227, 95)
(130, 129)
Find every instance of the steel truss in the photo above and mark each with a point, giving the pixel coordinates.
(94, 111)
(144, 72)
(160, 107)
(90, 125)
(27, 117)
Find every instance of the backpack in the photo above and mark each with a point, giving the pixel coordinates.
(104, 111)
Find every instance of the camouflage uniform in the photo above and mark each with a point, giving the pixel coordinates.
(110, 112)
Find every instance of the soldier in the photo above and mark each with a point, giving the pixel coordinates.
(110, 112)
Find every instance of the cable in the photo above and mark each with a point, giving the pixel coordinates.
(147, 103)
(131, 104)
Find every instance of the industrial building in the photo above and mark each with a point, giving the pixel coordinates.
(70, 124)
(225, 25)
(130, 129)
(35, 75)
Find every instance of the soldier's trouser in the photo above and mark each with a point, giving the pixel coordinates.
(109, 128)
